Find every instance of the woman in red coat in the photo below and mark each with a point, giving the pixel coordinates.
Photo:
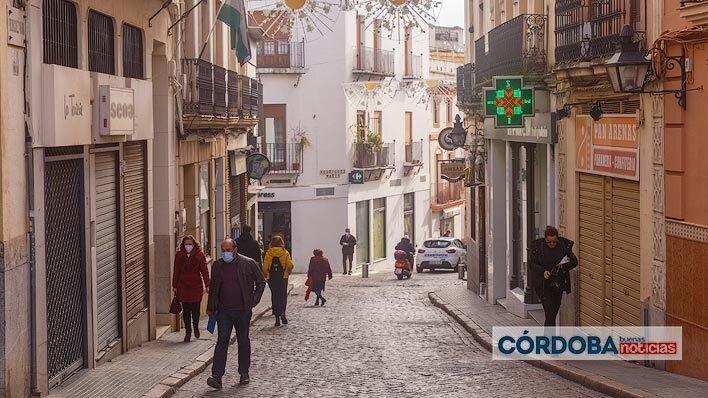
(319, 271)
(188, 281)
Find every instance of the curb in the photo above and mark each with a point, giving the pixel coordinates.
(168, 387)
(591, 380)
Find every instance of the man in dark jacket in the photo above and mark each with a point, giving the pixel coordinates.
(249, 247)
(237, 284)
(348, 241)
(406, 245)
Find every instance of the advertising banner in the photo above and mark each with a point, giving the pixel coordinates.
(587, 343)
(609, 146)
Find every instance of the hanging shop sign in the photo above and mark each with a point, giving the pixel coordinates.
(257, 165)
(356, 177)
(609, 146)
(508, 101)
(445, 141)
(453, 170)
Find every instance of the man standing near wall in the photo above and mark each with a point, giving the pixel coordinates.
(348, 241)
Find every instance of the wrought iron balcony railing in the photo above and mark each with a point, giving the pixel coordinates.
(285, 158)
(413, 66)
(368, 156)
(414, 153)
(589, 29)
(373, 60)
(448, 192)
(214, 91)
(516, 47)
(280, 54)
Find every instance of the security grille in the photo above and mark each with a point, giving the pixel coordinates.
(107, 244)
(101, 43)
(135, 198)
(132, 52)
(60, 33)
(65, 265)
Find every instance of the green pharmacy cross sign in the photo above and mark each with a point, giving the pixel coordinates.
(508, 102)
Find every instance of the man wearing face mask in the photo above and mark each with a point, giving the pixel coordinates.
(347, 241)
(237, 285)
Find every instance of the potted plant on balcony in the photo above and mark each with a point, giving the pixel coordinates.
(299, 135)
(374, 143)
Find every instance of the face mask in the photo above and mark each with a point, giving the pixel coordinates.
(188, 248)
(227, 256)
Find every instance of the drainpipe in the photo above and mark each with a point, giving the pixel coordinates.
(29, 168)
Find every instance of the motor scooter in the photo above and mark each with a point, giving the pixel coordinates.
(404, 264)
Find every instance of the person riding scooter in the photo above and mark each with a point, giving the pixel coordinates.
(406, 245)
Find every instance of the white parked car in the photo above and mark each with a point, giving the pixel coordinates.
(441, 253)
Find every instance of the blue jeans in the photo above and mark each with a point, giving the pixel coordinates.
(227, 320)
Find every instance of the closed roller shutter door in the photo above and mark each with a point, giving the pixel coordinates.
(609, 251)
(235, 199)
(626, 305)
(591, 250)
(135, 191)
(107, 265)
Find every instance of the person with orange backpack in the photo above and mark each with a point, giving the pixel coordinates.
(277, 266)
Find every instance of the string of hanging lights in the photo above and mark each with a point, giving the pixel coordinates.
(397, 19)
(295, 20)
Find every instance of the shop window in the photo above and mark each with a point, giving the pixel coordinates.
(204, 201)
(379, 226)
(101, 43)
(409, 216)
(362, 232)
(132, 52)
(60, 33)
(447, 224)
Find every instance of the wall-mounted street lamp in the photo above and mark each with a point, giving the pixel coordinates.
(629, 69)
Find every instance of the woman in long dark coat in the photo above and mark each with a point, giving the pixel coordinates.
(552, 258)
(319, 271)
(188, 281)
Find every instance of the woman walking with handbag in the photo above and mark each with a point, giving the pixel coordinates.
(277, 266)
(551, 258)
(188, 281)
(319, 271)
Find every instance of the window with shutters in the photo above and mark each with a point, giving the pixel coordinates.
(101, 43)
(132, 52)
(60, 33)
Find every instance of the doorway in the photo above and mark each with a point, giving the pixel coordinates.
(276, 219)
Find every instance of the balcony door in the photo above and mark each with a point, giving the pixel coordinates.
(407, 53)
(409, 137)
(359, 42)
(274, 141)
(378, 61)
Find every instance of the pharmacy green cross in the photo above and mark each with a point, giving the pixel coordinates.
(508, 101)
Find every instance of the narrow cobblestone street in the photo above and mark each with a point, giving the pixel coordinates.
(377, 337)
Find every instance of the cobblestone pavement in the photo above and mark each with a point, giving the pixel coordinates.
(377, 337)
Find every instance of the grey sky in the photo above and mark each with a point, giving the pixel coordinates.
(452, 13)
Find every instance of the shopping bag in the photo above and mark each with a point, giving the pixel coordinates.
(176, 306)
(309, 284)
(211, 324)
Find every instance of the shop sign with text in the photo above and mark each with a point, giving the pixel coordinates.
(452, 170)
(609, 146)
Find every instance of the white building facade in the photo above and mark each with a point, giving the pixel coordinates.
(308, 197)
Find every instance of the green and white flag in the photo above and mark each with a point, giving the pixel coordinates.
(233, 13)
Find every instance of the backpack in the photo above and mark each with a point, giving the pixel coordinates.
(276, 269)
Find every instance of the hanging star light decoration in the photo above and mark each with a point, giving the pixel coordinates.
(295, 20)
(423, 91)
(371, 95)
(398, 18)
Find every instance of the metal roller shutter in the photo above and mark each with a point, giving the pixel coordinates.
(107, 243)
(591, 250)
(235, 199)
(609, 251)
(626, 305)
(135, 202)
(65, 267)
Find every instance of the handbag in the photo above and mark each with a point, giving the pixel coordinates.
(176, 306)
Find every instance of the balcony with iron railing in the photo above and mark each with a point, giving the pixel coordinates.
(215, 97)
(448, 192)
(374, 61)
(280, 56)
(413, 67)
(285, 158)
(368, 156)
(516, 47)
(414, 153)
(591, 30)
